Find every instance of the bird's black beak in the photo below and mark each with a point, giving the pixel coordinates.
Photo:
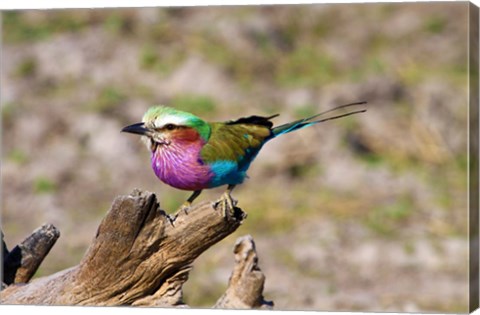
(137, 128)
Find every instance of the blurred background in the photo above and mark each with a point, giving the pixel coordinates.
(366, 213)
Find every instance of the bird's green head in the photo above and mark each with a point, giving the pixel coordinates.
(162, 125)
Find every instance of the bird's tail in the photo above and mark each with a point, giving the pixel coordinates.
(306, 122)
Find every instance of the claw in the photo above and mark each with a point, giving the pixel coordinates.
(188, 204)
(171, 219)
(227, 203)
(185, 207)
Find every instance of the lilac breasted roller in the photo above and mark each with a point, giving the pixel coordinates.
(192, 154)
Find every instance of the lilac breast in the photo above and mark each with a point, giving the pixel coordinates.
(179, 165)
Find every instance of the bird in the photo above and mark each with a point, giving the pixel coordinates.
(192, 154)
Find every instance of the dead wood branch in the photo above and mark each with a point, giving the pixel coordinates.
(245, 287)
(142, 256)
(22, 262)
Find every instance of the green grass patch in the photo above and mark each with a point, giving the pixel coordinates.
(268, 213)
(108, 99)
(26, 68)
(306, 110)
(9, 111)
(163, 31)
(115, 23)
(359, 146)
(163, 63)
(243, 69)
(462, 163)
(375, 65)
(414, 73)
(372, 159)
(306, 66)
(435, 24)
(267, 219)
(43, 185)
(409, 247)
(388, 220)
(17, 27)
(302, 171)
(17, 156)
(148, 58)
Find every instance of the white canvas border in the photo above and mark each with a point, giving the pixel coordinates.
(71, 4)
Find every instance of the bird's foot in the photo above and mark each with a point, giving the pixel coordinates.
(227, 204)
(185, 207)
(171, 219)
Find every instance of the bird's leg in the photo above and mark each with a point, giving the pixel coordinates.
(227, 195)
(227, 201)
(187, 204)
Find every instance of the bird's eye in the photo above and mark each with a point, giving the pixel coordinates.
(170, 126)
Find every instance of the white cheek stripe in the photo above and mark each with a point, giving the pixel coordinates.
(170, 119)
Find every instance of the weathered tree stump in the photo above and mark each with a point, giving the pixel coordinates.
(245, 287)
(142, 256)
(22, 262)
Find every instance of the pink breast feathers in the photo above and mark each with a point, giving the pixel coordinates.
(179, 165)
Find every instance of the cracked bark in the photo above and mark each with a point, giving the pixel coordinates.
(142, 256)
